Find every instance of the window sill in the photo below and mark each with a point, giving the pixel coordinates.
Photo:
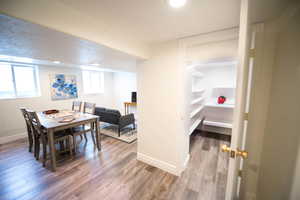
(94, 93)
(15, 98)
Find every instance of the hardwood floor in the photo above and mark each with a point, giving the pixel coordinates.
(113, 173)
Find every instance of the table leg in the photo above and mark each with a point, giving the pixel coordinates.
(98, 137)
(92, 132)
(52, 149)
(125, 106)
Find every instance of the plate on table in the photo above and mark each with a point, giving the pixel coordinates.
(67, 119)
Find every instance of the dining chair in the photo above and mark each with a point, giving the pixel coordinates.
(76, 106)
(28, 128)
(41, 135)
(82, 130)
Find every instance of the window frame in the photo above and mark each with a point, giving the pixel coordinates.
(102, 77)
(15, 91)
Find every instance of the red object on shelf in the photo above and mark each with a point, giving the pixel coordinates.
(221, 99)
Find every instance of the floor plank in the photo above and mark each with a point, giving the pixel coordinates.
(113, 173)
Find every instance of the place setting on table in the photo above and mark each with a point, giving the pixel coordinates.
(58, 126)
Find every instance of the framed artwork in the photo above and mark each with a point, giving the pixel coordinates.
(63, 87)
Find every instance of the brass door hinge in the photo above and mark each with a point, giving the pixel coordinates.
(240, 173)
(246, 116)
(252, 53)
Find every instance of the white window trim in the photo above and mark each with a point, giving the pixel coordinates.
(36, 81)
(101, 82)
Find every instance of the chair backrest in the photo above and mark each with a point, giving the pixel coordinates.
(89, 108)
(26, 117)
(35, 122)
(76, 106)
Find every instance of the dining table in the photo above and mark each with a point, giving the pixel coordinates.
(64, 120)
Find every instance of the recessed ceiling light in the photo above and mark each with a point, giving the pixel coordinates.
(95, 64)
(56, 62)
(177, 3)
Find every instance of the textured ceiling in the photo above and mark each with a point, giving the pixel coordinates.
(23, 39)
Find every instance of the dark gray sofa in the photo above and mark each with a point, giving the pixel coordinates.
(114, 117)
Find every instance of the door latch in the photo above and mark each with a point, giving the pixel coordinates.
(234, 153)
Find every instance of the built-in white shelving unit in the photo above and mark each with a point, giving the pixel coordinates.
(198, 74)
(198, 100)
(214, 105)
(198, 90)
(196, 111)
(210, 81)
(194, 126)
(217, 124)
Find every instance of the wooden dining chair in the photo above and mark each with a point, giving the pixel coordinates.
(41, 135)
(82, 130)
(89, 108)
(28, 128)
(76, 106)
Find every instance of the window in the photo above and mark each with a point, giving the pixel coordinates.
(93, 81)
(18, 81)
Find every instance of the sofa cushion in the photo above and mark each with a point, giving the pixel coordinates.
(116, 112)
(100, 109)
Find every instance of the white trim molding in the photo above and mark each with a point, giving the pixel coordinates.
(11, 138)
(159, 164)
(186, 162)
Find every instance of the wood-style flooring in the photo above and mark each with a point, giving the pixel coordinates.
(113, 174)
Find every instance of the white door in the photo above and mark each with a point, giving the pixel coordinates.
(242, 92)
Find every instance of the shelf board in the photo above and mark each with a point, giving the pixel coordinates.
(194, 126)
(215, 105)
(197, 100)
(195, 112)
(217, 124)
(198, 91)
(198, 74)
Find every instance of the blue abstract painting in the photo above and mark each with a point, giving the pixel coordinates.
(63, 87)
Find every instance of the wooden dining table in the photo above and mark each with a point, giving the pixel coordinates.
(55, 122)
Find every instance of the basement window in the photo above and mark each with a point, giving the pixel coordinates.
(18, 81)
(93, 82)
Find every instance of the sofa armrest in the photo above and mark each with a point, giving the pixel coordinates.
(126, 120)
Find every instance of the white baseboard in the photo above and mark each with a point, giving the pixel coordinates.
(11, 138)
(159, 164)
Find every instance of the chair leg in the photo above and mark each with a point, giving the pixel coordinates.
(30, 139)
(37, 150)
(134, 126)
(81, 137)
(74, 143)
(62, 145)
(44, 153)
(85, 137)
(70, 145)
(93, 137)
(119, 131)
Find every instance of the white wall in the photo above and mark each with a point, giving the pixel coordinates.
(11, 121)
(162, 139)
(124, 84)
(278, 170)
(213, 50)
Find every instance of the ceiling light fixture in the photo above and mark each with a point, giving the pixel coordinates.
(56, 62)
(95, 64)
(177, 3)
